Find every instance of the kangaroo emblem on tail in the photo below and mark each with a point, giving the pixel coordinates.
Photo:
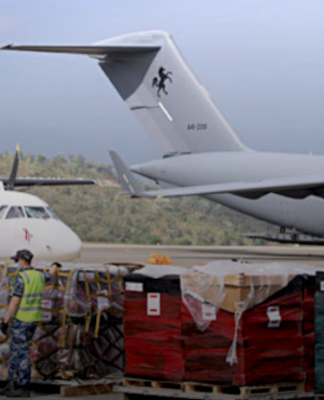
(160, 83)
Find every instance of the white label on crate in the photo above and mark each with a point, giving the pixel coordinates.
(274, 316)
(47, 315)
(208, 312)
(103, 302)
(153, 304)
(322, 286)
(134, 286)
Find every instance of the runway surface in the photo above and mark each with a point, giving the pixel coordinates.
(188, 256)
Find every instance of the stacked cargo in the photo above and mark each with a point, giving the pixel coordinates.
(319, 324)
(309, 332)
(231, 324)
(255, 324)
(152, 324)
(261, 345)
(225, 323)
(81, 333)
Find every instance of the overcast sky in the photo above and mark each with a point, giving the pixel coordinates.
(262, 62)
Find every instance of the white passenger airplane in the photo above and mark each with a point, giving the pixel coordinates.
(27, 222)
(202, 154)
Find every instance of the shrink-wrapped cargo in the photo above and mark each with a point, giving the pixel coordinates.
(152, 323)
(263, 306)
(230, 323)
(319, 324)
(81, 333)
(309, 331)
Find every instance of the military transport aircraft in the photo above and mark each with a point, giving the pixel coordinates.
(27, 222)
(202, 154)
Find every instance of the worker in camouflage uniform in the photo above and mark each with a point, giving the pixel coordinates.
(25, 310)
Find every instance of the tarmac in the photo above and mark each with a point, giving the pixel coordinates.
(189, 256)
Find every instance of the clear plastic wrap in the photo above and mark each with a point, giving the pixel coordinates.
(234, 286)
(93, 288)
(159, 271)
(81, 332)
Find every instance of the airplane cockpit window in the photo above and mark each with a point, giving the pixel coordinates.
(3, 210)
(36, 212)
(52, 213)
(15, 212)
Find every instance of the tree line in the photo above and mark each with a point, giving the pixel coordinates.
(100, 213)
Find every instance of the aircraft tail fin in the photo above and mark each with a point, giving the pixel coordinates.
(14, 170)
(151, 76)
(173, 107)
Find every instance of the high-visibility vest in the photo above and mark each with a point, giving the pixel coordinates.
(30, 306)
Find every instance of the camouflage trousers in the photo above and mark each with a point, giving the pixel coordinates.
(19, 361)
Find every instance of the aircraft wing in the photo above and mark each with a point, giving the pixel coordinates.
(295, 187)
(25, 182)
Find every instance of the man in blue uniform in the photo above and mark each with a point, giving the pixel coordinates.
(25, 311)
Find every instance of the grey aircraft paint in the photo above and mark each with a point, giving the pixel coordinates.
(204, 155)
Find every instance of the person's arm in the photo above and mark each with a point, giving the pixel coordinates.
(12, 308)
(18, 290)
(54, 268)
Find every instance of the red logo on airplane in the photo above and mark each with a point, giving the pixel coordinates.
(28, 235)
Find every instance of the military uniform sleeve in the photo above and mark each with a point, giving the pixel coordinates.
(18, 286)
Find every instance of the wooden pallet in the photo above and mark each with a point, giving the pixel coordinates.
(71, 387)
(214, 389)
(245, 391)
(148, 383)
(85, 390)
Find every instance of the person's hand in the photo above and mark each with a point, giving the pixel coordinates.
(4, 328)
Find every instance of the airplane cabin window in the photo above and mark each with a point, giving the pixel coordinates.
(3, 210)
(52, 213)
(15, 212)
(36, 212)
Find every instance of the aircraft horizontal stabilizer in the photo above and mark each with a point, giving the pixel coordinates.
(91, 50)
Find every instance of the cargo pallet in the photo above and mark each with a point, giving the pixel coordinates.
(70, 388)
(133, 388)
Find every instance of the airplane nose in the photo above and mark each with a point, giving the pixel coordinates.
(73, 247)
(57, 243)
(66, 246)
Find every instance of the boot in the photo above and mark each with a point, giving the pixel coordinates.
(8, 388)
(19, 392)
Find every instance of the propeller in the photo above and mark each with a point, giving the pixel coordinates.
(14, 182)
(11, 182)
